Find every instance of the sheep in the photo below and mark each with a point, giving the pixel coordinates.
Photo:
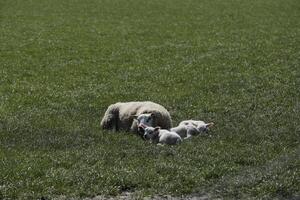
(135, 116)
(162, 136)
(190, 128)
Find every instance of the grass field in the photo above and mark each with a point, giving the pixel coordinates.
(233, 62)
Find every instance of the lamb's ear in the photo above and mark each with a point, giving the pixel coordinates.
(208, 125)
(156, 129)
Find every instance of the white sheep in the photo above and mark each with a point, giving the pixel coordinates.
(135, 116)
(190, 128)
(162, 136)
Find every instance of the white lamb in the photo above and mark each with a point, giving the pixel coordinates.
(190, 128)
(162, 136)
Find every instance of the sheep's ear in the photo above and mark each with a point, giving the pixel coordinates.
(208, 125)
(152, 115)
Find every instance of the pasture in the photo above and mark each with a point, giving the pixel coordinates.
(233, 62)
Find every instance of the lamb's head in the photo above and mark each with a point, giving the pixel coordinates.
(144, 120)
(204, 127)
(151, 133)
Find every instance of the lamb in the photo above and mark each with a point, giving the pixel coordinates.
(162, 136)
(190, 128)
(135, 116)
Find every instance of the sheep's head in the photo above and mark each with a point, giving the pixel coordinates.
(151, 133)
(143, 121)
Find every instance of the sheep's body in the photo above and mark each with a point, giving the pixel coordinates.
(120, 116)
(162, 136)
(190, 128)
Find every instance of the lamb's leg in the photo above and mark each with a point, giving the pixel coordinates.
(187, 136)
(191, 130)
(178, 141)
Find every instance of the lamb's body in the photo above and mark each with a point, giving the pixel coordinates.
(120, 116)
(168, 137)
(195, 123)
(162, 136)
(185, 131)
(190, 128)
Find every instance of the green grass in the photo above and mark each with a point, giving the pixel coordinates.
(233, 62)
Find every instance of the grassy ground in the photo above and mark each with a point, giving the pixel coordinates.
(233, 62)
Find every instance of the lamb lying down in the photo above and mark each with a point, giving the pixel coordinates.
(190, 128)
(162, 136)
